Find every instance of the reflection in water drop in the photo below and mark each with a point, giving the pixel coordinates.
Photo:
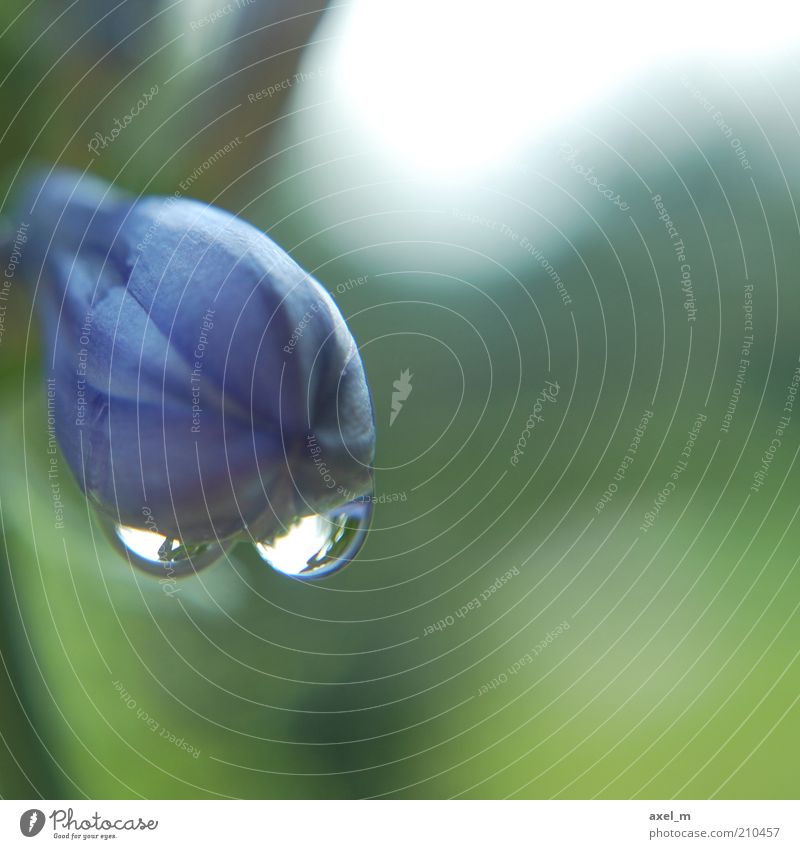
(161, 556)
(316, 546)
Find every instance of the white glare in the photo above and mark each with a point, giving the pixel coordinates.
(143, 543)
(292, 552)
(455, 84)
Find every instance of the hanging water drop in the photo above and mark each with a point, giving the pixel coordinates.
(316, 546)
(159, 555)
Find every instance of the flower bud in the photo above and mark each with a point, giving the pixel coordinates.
(194, 363)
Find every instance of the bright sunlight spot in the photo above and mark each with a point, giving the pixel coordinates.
(453, 85)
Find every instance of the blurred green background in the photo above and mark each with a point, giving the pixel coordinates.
(437, 664)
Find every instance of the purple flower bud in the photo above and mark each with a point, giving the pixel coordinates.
(202, 379)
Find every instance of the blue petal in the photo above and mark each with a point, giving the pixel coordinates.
(154, 306)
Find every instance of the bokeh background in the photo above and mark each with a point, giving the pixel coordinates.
(482, 188)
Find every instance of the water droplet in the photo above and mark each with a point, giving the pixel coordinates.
(316, 546)
(159, 555)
